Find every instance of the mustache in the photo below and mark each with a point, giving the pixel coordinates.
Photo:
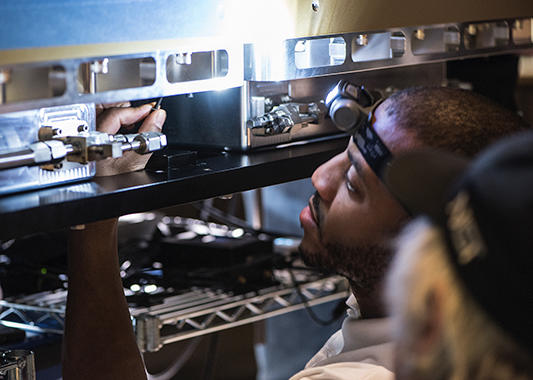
(316, 207)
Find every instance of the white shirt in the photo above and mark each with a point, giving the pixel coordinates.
(343, 371)
(361, 349)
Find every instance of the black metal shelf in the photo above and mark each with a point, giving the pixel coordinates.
(209, 176)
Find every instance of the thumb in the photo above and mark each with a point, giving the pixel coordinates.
(154, 122)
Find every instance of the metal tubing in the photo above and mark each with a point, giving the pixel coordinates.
(16, 159)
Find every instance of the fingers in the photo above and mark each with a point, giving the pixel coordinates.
(129, 162)
(154, 122)
(112, 119)
(99, 108)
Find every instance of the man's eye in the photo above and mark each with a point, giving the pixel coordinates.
(350, 186)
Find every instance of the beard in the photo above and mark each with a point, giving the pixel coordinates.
(364, 266)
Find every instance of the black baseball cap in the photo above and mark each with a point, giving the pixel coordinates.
(485, 209)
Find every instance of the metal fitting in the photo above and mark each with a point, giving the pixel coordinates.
(48, 133)
(48, 151)
(150, 142)
(83, 128)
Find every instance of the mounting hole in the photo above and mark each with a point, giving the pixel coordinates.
(315, 5)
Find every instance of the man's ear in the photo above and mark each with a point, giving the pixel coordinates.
(430, 331)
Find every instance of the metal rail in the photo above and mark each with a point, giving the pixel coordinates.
(172, 67)
(194, 313)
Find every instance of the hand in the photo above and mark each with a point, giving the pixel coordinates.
(110, 120)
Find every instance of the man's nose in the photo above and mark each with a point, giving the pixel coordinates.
(327, 177)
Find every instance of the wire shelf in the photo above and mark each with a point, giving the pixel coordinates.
(193, 313)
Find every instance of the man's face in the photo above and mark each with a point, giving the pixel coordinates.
(352, 213)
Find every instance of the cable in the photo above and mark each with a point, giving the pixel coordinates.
(175, 367)
(209, 368)
(336, 315)
(234, 221)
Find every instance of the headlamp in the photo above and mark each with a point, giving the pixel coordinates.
(351, 108)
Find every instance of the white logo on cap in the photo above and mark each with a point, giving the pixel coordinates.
(463, 228)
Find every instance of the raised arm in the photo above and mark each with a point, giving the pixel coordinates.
(99, 342)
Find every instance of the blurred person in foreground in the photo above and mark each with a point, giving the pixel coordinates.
(461, 285)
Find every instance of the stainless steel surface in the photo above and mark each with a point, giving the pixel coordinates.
(17, 158)
(21, 132)
(286, 116)
(239, 119)
(274, 68)
(149, 142)
(363, 50)
(196, 312)
(309, 40)
(34, 154)
(63, 142)
(116, 78)
(95, 146)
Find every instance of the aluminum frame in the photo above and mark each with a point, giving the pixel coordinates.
(160, 87)
(262, 65)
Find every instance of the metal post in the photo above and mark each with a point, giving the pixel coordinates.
(19, 364)
(4, 78)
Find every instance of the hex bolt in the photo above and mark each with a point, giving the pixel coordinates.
(184, 58)
(83, 128)
(4, 78)
(97, 67)
(472, 29)
(362, 40)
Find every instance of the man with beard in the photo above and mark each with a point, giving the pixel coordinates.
(345, 229)
(352, 215)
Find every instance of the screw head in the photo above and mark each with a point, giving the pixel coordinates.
(315, 5)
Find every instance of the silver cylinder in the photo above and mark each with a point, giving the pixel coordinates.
(17, 159)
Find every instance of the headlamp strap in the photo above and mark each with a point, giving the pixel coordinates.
(375, 152)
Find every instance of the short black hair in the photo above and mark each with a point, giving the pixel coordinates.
(451, 119)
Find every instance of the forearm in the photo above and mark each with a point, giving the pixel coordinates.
(99, 341)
